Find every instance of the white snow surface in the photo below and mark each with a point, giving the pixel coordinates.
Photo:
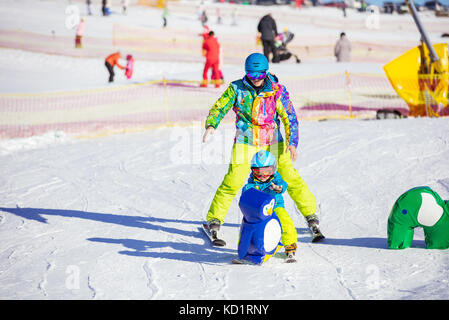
(118, 217)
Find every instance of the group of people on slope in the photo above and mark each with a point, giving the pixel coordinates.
(269, 36)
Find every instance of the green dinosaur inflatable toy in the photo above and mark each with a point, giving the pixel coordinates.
(419, 207)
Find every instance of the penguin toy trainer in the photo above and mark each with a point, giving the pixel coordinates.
(260, 231)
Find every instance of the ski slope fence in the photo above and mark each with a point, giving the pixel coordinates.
(167, 102)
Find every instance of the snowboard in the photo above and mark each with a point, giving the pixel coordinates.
(213, 237)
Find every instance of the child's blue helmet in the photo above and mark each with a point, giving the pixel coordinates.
(262, 159)
(256, 66)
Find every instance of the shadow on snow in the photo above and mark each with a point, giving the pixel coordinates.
(185, 251)
(189, 251)
(365, 242)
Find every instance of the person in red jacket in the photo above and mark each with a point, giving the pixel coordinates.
(211, 50)
(111, 61)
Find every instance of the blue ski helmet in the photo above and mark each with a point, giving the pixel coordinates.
(256, 66)
(262, 159)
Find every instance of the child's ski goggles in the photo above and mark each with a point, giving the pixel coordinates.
(262, 172)
(256, 75)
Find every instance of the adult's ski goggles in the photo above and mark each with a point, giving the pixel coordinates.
(256, 75)
(263, 172)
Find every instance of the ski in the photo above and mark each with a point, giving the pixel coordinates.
(213, 236)
(242, 261)
(290, 259)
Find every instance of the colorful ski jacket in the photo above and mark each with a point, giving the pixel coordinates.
(265, 187)
(257, 114)
(113, 60)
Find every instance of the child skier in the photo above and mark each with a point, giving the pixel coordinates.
(265, 178)
(79, 33)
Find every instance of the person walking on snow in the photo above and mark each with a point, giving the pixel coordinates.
(79, 33)
(342, 49)
(260, 103)
(268, 33)
(111, 61)
(211, 50)
(125, 4)
(165, 14)
(264, 178)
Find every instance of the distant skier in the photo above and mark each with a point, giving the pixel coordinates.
(103, 7)
(265, 178)
(211, 50)
(111, 61)
(125, 4)
(342, 49)
(260, 103)
(204, 18)
(268, 32)
(165, 14)
(79, 33)
(89, 7)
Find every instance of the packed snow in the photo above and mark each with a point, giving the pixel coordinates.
(118, 216)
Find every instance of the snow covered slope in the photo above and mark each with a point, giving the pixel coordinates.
(118, 217)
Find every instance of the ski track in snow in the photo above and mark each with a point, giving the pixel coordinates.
(91, 287)
(150, 273)
(120, 202)
(338, 272)
(43, 283)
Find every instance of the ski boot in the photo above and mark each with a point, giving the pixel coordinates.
(290, 251)
(211, 228)
(214, 226)
(313, 223)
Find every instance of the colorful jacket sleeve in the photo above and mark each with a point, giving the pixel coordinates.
(277, 180)
(221, 107)
(286, 111)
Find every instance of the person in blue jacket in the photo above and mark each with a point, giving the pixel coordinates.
(265, 178)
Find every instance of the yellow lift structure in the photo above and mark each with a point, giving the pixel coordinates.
(421, 75)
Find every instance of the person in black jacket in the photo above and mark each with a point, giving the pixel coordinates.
(267, 28)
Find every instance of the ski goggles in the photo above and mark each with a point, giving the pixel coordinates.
(263, 172)
(256, 75)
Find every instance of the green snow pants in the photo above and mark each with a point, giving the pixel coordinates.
(238, 173)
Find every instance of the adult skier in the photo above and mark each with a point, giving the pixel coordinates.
(342, 49)
(260, 103)
(110, 62)
(211, 50)
(268, 32)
